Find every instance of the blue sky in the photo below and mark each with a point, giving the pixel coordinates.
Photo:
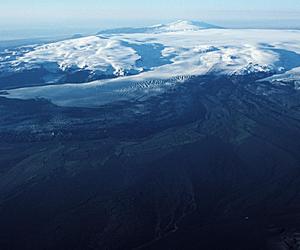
(89, 15)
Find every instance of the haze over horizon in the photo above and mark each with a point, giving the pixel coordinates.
(32, 18)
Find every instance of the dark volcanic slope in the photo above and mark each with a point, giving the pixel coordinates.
(212, 164)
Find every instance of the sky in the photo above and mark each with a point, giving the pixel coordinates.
(30, 17)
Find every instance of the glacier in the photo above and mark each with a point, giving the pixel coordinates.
(145, 61)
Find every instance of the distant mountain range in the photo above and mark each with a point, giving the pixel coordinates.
(181, 25)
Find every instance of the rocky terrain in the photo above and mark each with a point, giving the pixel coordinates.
(211, 163)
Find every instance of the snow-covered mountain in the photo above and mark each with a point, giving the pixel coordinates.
(181, 25)
(148, 59)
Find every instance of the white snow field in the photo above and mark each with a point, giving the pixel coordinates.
(146, 61)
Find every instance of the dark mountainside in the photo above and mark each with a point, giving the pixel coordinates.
(213, 163)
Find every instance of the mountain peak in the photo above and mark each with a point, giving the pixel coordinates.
(177, 26)
(187, 25)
